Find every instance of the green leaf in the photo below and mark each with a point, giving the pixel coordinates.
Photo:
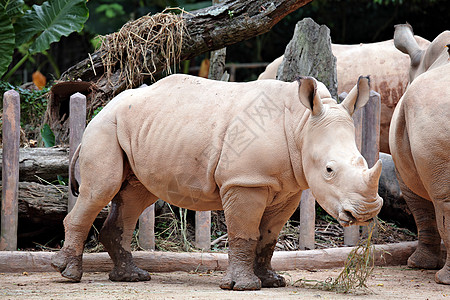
(47, 136)
(6, 42)
(49, 22)
(13, 8)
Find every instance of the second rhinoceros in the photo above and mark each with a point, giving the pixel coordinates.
(247, 148)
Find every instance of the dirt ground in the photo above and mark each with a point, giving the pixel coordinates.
(386, 283)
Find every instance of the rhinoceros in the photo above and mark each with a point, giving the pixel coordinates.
(247, 148)
(420, 146)
(387, 68)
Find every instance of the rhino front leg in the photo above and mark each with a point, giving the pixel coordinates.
(272, 222)
(117, 232)
(243, 208)
(428, 252)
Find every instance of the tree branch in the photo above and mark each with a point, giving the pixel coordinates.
(208, 29)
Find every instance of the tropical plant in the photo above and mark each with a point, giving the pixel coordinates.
(33, 30)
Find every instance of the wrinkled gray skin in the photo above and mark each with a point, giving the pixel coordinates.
(419, 139)
(247, 148)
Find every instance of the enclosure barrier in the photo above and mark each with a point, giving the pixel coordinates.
(367, 130)
(10, 170)
(77, 123)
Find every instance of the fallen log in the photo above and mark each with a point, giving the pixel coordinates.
(385, 255)
(45, 203)
(41, 163)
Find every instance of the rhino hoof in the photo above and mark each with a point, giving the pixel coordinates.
(422, 259)
(241, 284)
(443, 276)
(129, 274)
(68, 265)
(272, 280)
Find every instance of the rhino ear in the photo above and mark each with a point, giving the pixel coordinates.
(358, 96)
(405, 42)
(307, 93)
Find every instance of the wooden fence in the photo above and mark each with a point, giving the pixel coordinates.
(367, 125)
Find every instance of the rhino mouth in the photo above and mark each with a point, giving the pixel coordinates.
(346, 218)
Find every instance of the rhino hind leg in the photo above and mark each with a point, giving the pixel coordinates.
(97, 189)
(272, 222)
(443, 221)
(117, 232)
(428, 252)
(68, 264)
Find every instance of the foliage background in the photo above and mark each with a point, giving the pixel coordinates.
(350, 21)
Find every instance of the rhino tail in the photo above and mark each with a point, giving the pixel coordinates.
(74, 185)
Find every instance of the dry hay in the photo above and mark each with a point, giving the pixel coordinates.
(140, 45)
(357, 269)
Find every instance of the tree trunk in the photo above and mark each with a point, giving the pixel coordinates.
(207, 29)
(36, 164)
(309, 54)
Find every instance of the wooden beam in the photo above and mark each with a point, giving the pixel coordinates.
(10, 170)
(147, 228)
(385, 255)
(77, 123)
(306, 234)
(351, 233)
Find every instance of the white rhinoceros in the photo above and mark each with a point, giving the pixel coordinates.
(247, 148)
(386, 66)
(420, 146)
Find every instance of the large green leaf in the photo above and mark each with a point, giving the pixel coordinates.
(49, 22)
(13, 8)
(47, 136)
(6, 42)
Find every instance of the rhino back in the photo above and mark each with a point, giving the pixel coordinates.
(186, 137)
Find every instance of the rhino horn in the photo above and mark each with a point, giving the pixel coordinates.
(373, 174)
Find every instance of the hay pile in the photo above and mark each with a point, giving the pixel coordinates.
(140, 45)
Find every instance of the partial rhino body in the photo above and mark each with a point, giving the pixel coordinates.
(247, 148)
(387, 67)
(394, 207)
(420, 147)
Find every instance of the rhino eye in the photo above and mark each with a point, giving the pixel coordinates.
(329, 170)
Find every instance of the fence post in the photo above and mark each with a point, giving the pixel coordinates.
(203, 218)
(351, 233)
(10, 171)
(77, 123)
(306, 236)
(370, 148)
(147, 228)
(203, 230)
